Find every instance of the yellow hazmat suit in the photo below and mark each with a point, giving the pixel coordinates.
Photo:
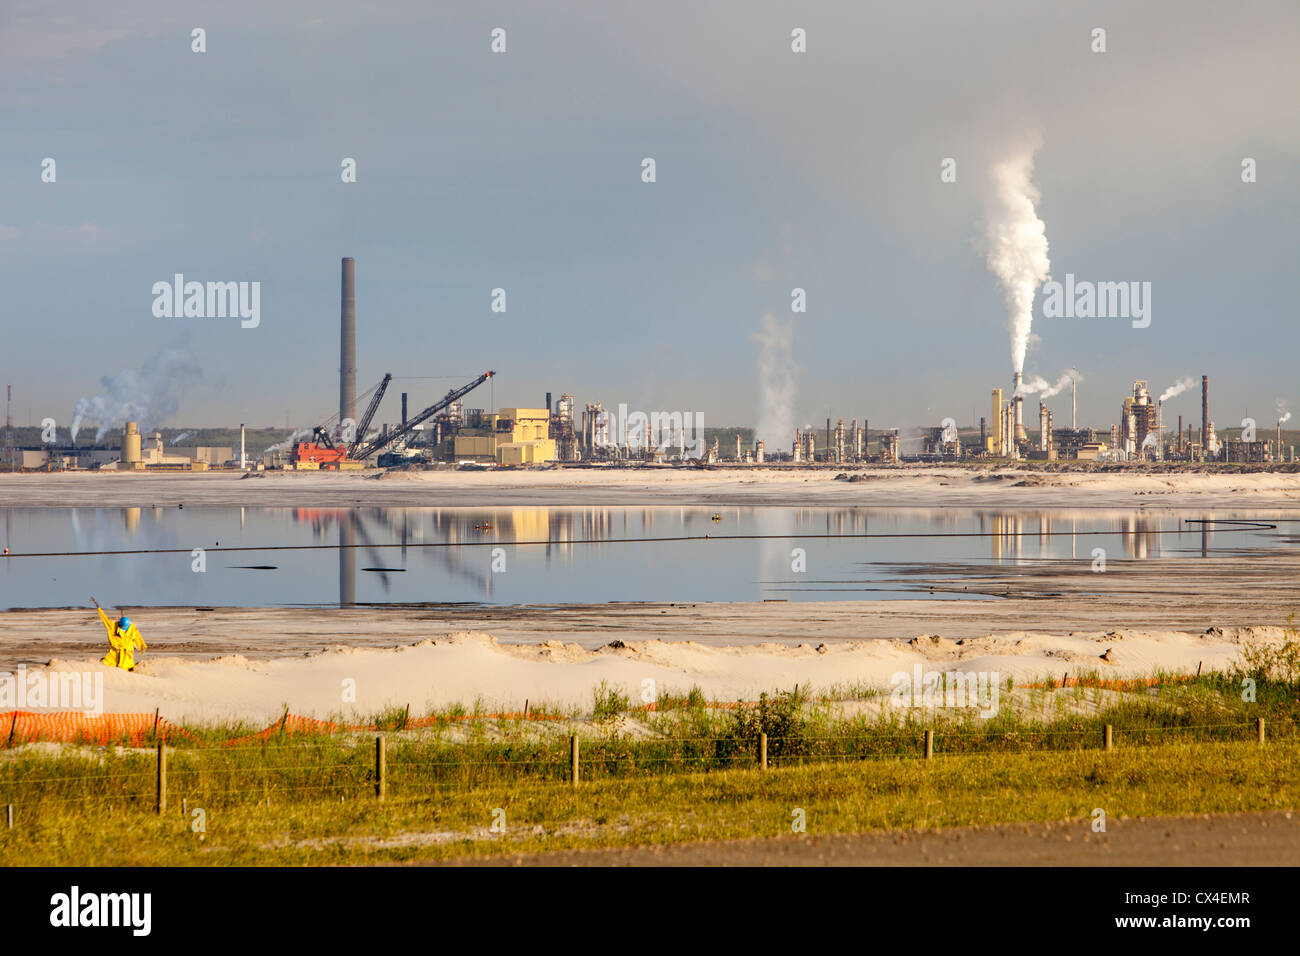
(122, 644)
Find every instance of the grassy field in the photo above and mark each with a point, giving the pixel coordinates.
(684, 772)
(313, 828)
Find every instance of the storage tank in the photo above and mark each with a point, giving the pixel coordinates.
(131, 445)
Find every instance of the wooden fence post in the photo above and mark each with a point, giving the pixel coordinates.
(381, 787)
(929, 744)
(573, 759)
(161, 802)
(1259, 729)
(1109, 739)
(762, 751)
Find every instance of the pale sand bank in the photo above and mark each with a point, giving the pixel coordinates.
(468, 667)
(902, 486)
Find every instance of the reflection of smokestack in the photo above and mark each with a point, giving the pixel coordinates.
(347, 559)
(348, 344)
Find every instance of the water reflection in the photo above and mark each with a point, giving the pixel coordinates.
(557, 555)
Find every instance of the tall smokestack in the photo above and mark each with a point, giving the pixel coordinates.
(348, 343)
(403, 409)
(1205, 413)
(1018, 434)
(1160, 430)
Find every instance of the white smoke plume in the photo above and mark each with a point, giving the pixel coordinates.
(1016, 244)
(1040, 384)
(1180, 386)
(177, 439)
(288, 442)
(147, 395)
(1283, 413)
(776, 382)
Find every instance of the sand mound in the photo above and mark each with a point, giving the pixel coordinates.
(469, 666)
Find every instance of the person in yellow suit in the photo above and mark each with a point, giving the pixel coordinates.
(123, 639)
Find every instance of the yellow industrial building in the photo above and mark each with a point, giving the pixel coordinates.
(512, 436)
(138, 457)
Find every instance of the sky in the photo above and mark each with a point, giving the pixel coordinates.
(522, 170)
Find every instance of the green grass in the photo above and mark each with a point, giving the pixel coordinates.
(684, 771)
(954, 790)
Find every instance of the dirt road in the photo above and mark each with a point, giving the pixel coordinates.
(1246, 839)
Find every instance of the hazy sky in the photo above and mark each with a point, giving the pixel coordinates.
(522, 170)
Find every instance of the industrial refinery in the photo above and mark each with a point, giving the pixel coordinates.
(558, 433)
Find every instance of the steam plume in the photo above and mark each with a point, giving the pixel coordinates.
(177, 439)
(1016, 247)
(147, 395)
(1040, 384)
(288, 442)
(775, 381)
(1180, 386)
(1283, 413)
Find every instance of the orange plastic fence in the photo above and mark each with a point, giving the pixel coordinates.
(1106, 683)
(22, 726)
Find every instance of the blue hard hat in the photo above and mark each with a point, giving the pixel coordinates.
(124, 623)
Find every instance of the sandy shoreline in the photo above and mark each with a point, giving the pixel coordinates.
(877, 487)
(470, 667)
(250, 663)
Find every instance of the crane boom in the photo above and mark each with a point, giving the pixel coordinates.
(370, 448)
(364, 425)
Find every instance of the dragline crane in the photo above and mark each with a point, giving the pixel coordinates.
(324, 451)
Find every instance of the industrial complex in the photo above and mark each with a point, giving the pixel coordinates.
(554, 433)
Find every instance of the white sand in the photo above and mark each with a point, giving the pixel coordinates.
(472, 666)
(905, 486)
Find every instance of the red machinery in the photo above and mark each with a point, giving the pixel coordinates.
(327, 454)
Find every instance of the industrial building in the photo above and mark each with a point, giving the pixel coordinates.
(512, 436)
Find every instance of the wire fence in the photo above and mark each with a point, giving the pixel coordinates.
(276, 770)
